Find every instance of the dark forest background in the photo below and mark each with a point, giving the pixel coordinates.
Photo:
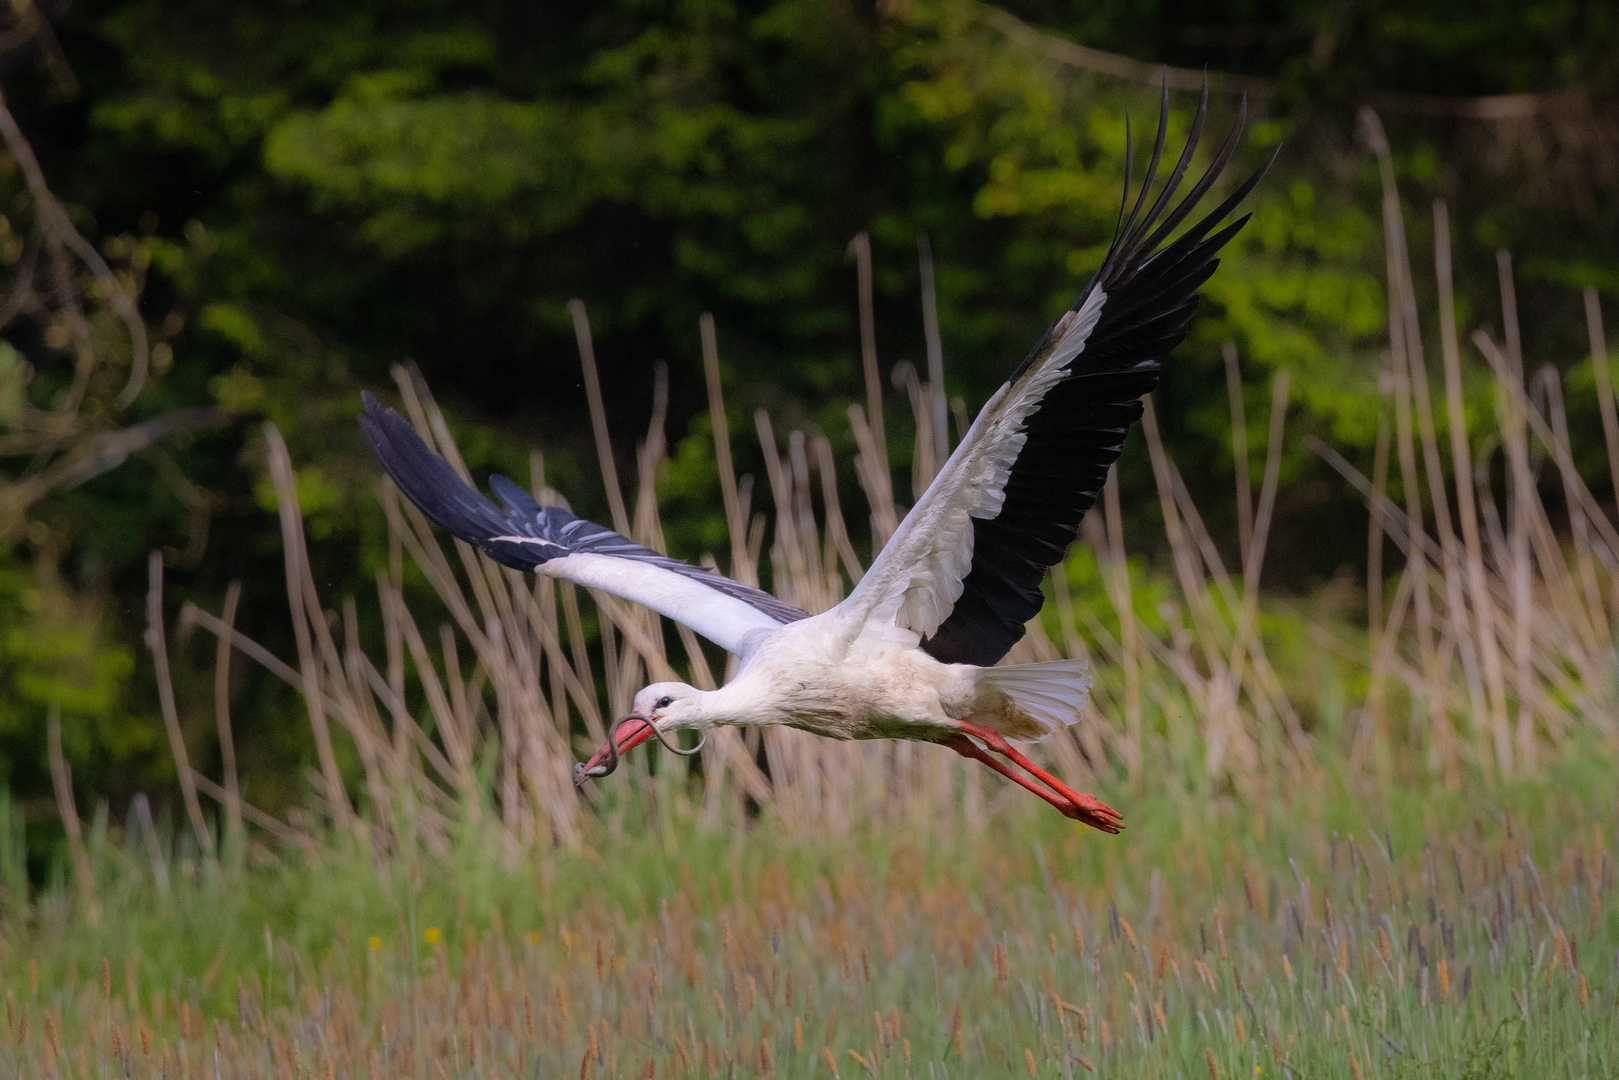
(306, 193)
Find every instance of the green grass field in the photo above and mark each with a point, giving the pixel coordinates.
(1421, 934)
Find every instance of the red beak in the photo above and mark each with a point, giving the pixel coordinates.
(626, 734)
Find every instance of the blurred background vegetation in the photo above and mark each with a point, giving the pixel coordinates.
(301, 194)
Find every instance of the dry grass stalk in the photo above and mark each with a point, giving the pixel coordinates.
(940, 428)
(1493, 717)
(1604, 381)
(62, 783)
(227, 742)
(514, 674)
(156, 640)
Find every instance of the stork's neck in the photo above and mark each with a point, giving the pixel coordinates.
(744, 700)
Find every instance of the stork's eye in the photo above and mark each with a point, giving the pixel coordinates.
(663, 702)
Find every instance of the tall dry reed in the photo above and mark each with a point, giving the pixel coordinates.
(1490, 644)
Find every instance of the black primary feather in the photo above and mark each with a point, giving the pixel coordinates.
(439, 492)
(1078, 429)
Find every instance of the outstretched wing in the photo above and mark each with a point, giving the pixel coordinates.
(963, 571)
(551, 541)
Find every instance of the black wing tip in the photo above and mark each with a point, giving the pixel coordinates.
(382, 425)
(1142, 239)
(1135, 240)
(424, 477)
(513, 494)
(1261, 172)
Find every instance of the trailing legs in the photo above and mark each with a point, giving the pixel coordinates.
(1073, 804)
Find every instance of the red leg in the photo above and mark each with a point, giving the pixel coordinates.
(1095, 811)
(969, 749)
(1108, 821)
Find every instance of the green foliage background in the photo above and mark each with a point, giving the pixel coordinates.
(325, 189)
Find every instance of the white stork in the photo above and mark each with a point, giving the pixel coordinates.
(909, 654)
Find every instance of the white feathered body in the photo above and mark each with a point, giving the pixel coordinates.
(818, 676)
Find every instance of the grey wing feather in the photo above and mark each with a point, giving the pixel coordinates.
(523, 534)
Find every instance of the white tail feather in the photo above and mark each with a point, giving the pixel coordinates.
(1047, 697)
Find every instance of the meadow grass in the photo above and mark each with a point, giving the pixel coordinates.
(1420, 934)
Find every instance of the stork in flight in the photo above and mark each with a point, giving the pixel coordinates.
(910, 653)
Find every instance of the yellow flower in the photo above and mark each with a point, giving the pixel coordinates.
(433, 936)
(375, 943)
(533, 937)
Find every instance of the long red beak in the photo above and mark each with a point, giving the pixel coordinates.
(626, 734)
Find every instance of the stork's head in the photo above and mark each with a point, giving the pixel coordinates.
(660, 708)
(671, 705)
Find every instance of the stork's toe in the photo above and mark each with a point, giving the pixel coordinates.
(1095, 813)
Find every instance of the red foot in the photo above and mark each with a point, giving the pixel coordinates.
(1073, 804)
